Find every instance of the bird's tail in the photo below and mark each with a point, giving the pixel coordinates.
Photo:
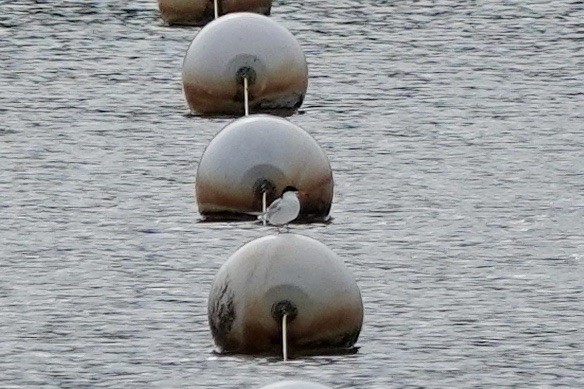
(262, 218)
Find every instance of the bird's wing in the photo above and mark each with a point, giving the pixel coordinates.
(274, 207)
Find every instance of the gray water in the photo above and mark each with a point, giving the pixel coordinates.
(455, 130)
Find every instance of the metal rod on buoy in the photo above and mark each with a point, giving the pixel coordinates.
(216, 6)
(284, 338)
(264, 206)
(246, 95)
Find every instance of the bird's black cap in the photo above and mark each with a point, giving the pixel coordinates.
(289, 189)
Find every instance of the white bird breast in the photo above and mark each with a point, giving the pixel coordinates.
(284, 209)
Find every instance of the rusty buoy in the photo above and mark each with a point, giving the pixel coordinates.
(242, 46)
(285, 274)
(257, 154)
(200, 12)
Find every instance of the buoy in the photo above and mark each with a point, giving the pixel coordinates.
(261, 155)
(289, 384)
(242, 46)
(200, 12)
(285, 274)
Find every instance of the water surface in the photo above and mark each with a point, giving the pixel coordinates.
(455, 133)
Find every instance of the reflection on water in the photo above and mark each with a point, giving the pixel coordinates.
(455, 135)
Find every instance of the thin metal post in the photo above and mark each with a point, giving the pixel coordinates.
(284, 338)
(264, 206)
(246, 95)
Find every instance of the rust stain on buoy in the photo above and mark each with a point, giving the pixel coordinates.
(262, 150)
(201, 12)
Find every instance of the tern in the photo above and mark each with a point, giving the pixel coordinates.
(283, 210)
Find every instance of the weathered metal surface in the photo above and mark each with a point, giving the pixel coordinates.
(285, 270)
(238, 45)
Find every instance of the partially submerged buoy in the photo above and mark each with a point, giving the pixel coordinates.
(285, 274)
(292, 384)
(244, 46)
(200, 12)
(261, 154)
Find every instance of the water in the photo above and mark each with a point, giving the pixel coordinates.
(455, 132)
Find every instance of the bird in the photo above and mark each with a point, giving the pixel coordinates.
(284, 209)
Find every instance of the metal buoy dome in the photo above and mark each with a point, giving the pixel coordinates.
(262, 153)
(290, 384)
(244, 45)
(200, 12)
(285, 272)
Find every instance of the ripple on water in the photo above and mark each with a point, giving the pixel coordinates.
(454, 132)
